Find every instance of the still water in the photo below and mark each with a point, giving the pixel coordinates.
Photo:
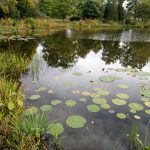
(91, 54)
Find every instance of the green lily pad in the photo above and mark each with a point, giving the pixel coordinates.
(147, 112)
(46, 108)
(145, 93)
(109, 78)
(132, 111)
(141, 73)
(85, 93)
(55, 129)
(11, 105)
(76, 92)
(76, 121)
(144, 99)
(99, 101)
(93, 108)
(102, 92)
(41, 89)
(71, 103)
(122, 86)
(67, 84)
(31, 111)
(34, 97)
(77, 74)
(121, 116)
(123, 96)
(95, 95)
(131, 69)
(137, 117)
(136, 106)
(121, 70)
(34, 82)
(55, 102)
(147, 104)
(105, 106)
(83, 100)
(119, 102)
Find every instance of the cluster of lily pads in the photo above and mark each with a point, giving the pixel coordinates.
(98, 100)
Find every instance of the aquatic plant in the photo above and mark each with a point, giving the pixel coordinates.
(93, 108)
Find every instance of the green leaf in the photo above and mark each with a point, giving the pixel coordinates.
(136, 106)
(119, 102)
(11, 105)
(83, 100)
(99, 101)
(41, 89)
(46, 108)
(34, 97)
(121, 116)
(31, 111)
(123, 96)
(144, 99)
(137, 117)
(55, 129)
(20, 102)
(105, 106)
(76, 121)
(85, 93)
(56, 102)
(77, 74)
(70, 103)
(67, 84)
(145, 93)
(147, 104)
(109, 78)
(147, 112)
(93, 108)
(122, 86)
(143, 73)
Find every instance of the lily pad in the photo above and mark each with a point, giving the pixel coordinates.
(76, 92)
(145, 93)
(119, 102)
(122, 86)
(67, 84)
(70, 103)
(85, 93)
(34, 82)
(123, 96)
(105, 106)
(109, 78)
(147, 104)
(76, 121)
(93, 108)
(34, 97)
(132, 111)
(99, 101)
(121, 70)
(41, 89)
(141, 73)
(147, 112)
(77, 74)
(55, 102)
(55, 129)
(95, 95)
(121, 116)
(137, 117)
(102, 92)
(144, 99)
(31, 111)
(83, 100)
(136, 106)
(46, 108)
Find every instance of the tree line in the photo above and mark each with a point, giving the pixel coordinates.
(105, 10)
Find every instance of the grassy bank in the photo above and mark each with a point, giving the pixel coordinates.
(10, 27)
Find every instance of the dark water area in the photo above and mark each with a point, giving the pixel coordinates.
(92, 53)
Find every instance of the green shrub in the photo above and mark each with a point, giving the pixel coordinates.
(31, 23)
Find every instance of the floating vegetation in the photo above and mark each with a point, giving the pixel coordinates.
(105, 106)
(67, 84)
(147, 112)
(77, 74)
(99, 101)
(121, 70)
(34, 97)
(31, 111)
(85, 93)
(76, 92)
(147, 104)
(11, 105)
(93, 108)
(70, 103)
(132, 111)
(95, 95)
(144, 99)
(50, 91)
(123, 96)
(122, 86)
(34, 82)
(102, 92)
(41, 89)
(121, 116)
(136, 106)
(83, 100)
(137, 117)
(145, 92)
(119, 102)
(55, 102)
(55, 129)
(141, 73)
(76, 121)
(109, 78)
(46, 108)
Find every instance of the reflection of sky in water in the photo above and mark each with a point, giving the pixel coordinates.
(106, 132)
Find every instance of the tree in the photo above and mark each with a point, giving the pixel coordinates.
(90, 10)
(121, 11)
(111, 11)
(131, 5)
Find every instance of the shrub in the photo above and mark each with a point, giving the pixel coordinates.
(75, 18)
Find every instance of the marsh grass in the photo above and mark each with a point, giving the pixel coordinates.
(12, 65)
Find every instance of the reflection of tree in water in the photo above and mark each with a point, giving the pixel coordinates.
(135, 55)
(61, 52)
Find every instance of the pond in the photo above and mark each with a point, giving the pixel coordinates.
(102, 76)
